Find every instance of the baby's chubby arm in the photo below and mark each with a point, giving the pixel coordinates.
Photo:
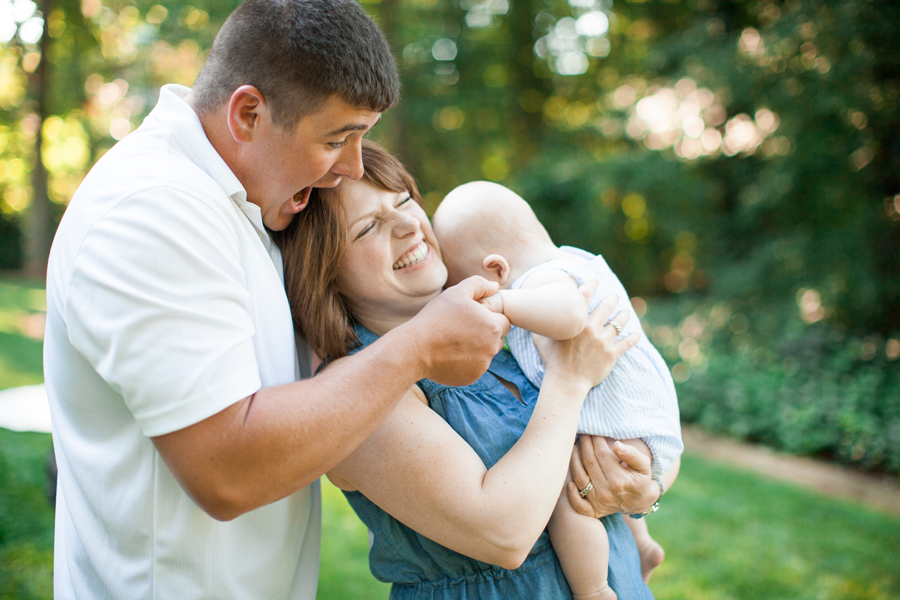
(549, 303)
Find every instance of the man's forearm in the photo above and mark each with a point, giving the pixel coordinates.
(271, 444)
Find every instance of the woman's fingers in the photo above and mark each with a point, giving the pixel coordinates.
(590, 469)
(602, 454)
(621, 478)
(588, 288)
(604, 310)
(630, 456)
(621, 319)
(581, 505)
(580, 481)
(617, 323)
(579, 476)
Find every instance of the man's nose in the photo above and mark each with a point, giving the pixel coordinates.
(349, 163)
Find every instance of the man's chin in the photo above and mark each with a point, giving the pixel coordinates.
(278, 222)
(280, 225)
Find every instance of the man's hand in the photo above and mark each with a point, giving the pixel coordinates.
(620, 474)
(457, 335)
(494, 302)
(590, 355)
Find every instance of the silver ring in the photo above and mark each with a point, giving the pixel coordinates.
(616, 325)
(587, 489)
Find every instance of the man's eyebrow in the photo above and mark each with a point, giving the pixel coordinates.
(352, 127)
(345, 129)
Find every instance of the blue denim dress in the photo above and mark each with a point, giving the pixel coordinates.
(490, 419)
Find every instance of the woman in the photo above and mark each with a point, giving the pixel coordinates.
(456, 480)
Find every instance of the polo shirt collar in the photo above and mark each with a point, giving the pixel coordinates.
(178, 115)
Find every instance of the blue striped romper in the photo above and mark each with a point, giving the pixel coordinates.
(637, 399)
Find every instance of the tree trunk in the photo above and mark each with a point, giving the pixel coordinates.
(38, 225)
(397, 135)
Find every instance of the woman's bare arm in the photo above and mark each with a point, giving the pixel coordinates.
(419, 470)
(423, 473)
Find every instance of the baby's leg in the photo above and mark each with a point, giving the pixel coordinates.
(582, 546)
(652, 554)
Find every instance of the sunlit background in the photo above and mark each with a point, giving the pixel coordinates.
(736, 162)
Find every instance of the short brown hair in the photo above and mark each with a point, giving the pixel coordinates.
(298, 53)
(313, 247)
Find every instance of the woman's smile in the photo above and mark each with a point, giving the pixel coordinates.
(392, 264)
(414, 256)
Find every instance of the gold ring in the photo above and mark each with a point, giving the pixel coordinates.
(616, 325)
(587, 489)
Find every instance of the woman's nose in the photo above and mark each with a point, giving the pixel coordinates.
(405, 224)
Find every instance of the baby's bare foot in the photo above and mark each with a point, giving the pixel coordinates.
(652, 555)
(604, 593)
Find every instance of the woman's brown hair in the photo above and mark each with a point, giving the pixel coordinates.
(312, 248)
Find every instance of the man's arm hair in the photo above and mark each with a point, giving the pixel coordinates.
(268, 445)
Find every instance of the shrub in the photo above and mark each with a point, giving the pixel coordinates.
(812, 390)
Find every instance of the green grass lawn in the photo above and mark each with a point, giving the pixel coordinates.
(728, 534)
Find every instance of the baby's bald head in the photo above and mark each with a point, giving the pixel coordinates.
(481, 218)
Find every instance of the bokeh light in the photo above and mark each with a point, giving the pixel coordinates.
(810, 303)
(444, 49)
(570, 41)
(689, 119)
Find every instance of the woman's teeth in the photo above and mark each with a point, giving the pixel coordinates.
(411, 258)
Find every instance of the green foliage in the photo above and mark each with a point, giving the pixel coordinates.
(810, 203)
(830, 406)
(809, 389)
(779, 170)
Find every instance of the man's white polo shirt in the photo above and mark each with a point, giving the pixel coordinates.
(165, 306)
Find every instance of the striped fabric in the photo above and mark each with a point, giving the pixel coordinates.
(637, 399)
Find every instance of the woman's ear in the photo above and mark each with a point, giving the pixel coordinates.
(497, 267)
(245, 109)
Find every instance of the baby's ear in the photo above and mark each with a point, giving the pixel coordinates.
(497, 268)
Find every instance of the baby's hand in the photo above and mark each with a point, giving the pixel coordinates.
(494, 303)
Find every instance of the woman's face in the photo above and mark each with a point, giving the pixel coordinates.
(392, 266)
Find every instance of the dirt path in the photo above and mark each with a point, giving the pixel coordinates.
(880, 493)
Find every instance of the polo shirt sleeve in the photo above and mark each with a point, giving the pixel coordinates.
(158, 304)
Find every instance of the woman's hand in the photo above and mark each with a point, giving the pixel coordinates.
(589, 356)
(620, 474)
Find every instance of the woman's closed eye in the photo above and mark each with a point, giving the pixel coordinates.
(338, 145)
(383, 217)
(365, 230)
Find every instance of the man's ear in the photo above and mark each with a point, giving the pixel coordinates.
(497, 266)
(246, 109)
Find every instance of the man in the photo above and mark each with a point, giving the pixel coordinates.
(188, 453)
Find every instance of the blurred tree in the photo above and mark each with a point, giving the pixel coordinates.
(740, 149)
(77, 76)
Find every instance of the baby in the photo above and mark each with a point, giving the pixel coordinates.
(486, 229)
